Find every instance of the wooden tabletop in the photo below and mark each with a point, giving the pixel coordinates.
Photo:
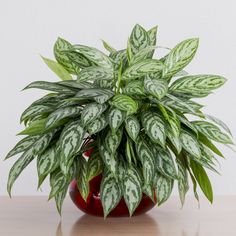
(34, 216)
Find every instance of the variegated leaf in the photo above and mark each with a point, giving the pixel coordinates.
(125, 103)
(165, 164)
(157, 88)
(60, 114)
(132, 127)
(132, 189)
(190, 144)
(94, 73)
(197, 83)
(119, 57)
(154, 127)
(99, 95)
(76, 84)
(134, 88)
(110, 160)
(82, 179)
(115, 118)
(51, 87)
(60, 196)
(58, 69)
(97, 125)
(180, 56)
(147, 159)
(95, 56)
(183, 120)
(163, 188)
(70, 141)
(22, 145)
(95, 165)
(175, 140)
(107, 84)
(110, 193)
(142, 68)
(212, 132)
(91, 112)
(108, 47)
(112, 140)
(138, 39)
(152, 34)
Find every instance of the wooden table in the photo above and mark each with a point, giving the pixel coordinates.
(34, 216)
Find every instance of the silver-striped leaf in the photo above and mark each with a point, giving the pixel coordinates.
(97, 125)
(112, 140)
(132, 127)
(125, 103)
(95, 165)
(142, 68)
(134, 88)
(175, 140)
(132, 189)
(190, 144)
(108, 47)
(152, 34)
(60, 114)
(157, 88)
(180, 56)
(110, 193)
(91, 112)
(60, 197)
(212, 132)
(154, 127)
(163, 188)
(115, 118)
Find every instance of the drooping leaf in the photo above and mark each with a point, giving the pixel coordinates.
(58, 69)
(125, 103)
(115, 118)
(132, 127)
(91, 112)
(180, 56)
(157, 88)
(212, 132)
(203, 180)
(97, 125)
(112, 140)
(142, 68)
(154, 127)
(76, 84)
(163, 188)
(60, 196)
(175, 140)
(132, 189)
(95, 165)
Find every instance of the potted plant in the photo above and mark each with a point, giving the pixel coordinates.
(117, 126)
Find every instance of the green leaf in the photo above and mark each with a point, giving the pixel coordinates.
(55, 87)
(132, 127)
(108, 47)
(180, 56)
(22, 145)
(163, 188)
(99, 95)
(125, 103)
(190, 144)
(212, 132)
(70, 141)
(115, 118)
(157, 88)
(119, 57)
(142, 68)
(95, 165)
(95, 73)
(110, 193)
(152, 34)
(82, 179)
(197, 84)
(94, 55)
(175, 141)
(203, 180)
(60, 114)
(58, 69)
(138, 39)
(97, 125)
(154, 127)
(165, 164)
(59, 198)
(132, 189)
(91, 112)
(112, 140)
(134, 88)
(76, 84)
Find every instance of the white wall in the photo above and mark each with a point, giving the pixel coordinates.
(29, 28)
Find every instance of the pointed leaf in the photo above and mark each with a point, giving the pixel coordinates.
(108, 47)
(134, 88)
(95, 165)
(112, 140)
(97, 125)
(132, 127)
(115, 118)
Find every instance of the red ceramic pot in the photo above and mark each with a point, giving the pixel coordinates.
(93, 206)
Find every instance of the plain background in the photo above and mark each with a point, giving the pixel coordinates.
(29, 28)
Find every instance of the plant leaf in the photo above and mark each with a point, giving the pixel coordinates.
(95, 165)
(134, 88)
(180, 56)
(132, 127)
(108, 47)
(112, 140)
(58, 69)
(115, 118)
(97, 125)
(110, 193)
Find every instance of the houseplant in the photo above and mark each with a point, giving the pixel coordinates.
(129, 114)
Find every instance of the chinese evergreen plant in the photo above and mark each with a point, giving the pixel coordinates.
(131, 110)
